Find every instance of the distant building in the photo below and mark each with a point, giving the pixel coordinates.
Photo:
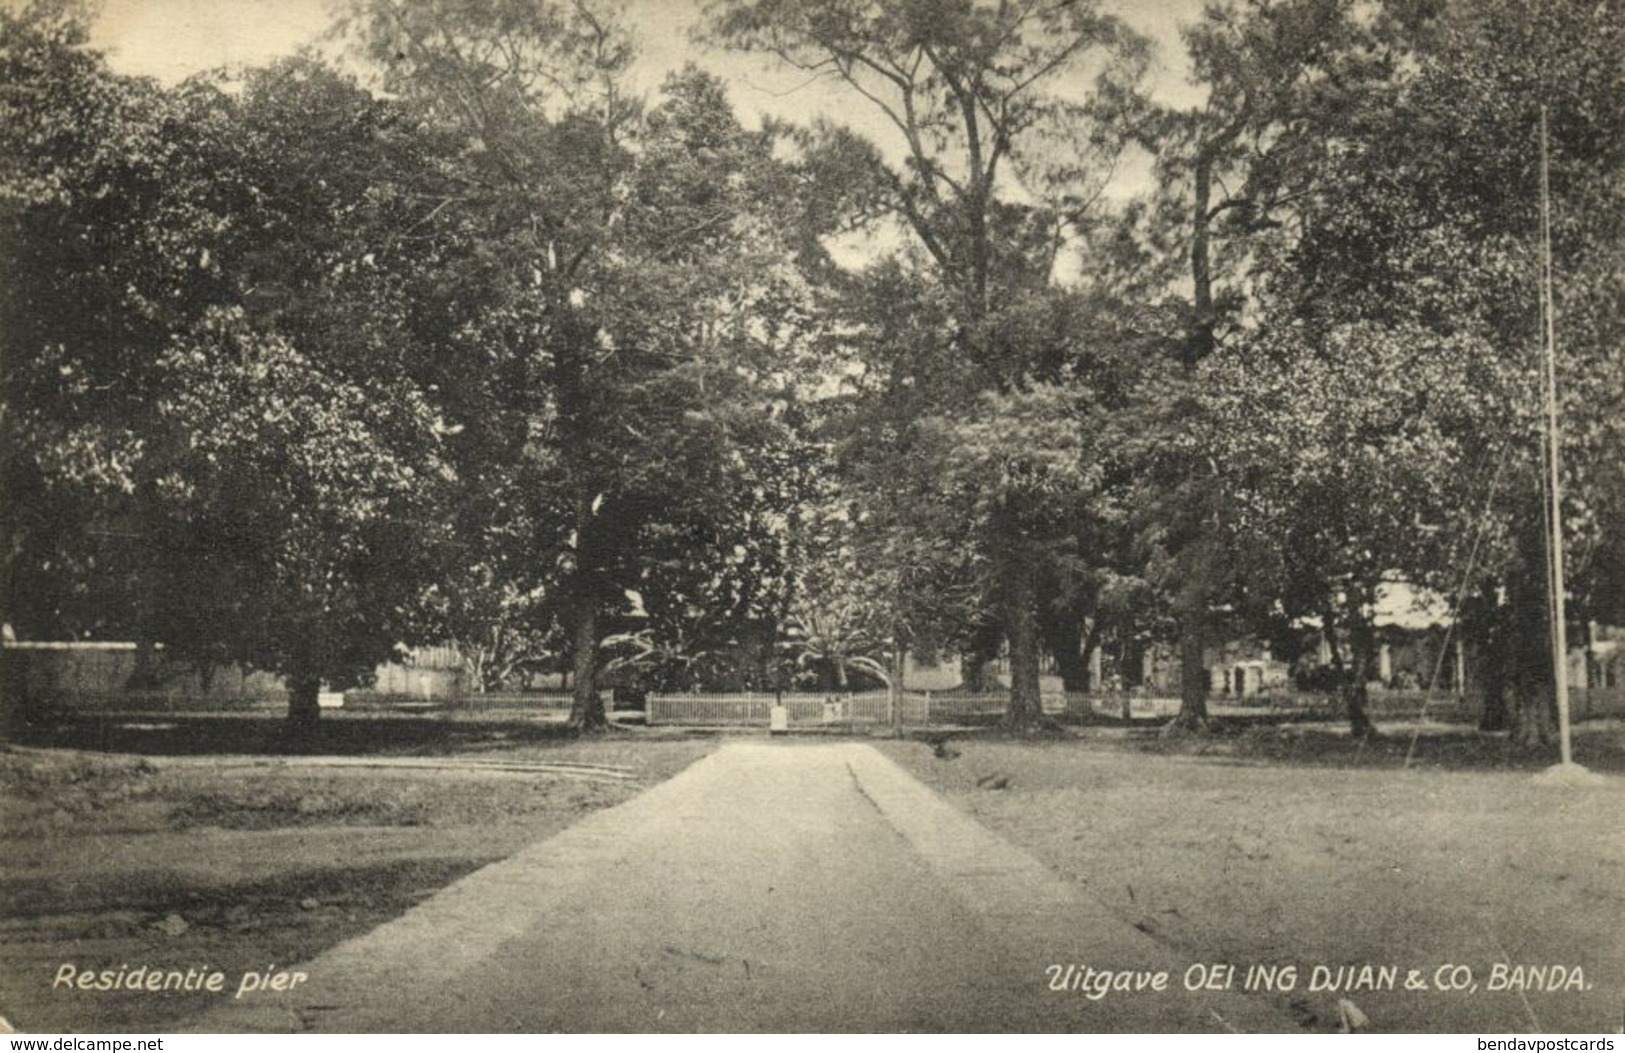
(1599, 662)
(90, 672)
(103, 672)
(1239, 668)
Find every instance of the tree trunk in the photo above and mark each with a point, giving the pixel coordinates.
(16, 702)
(1492, 711)
(1074, 669)
(1329, 630)
(1363, 640)
(304, 679)
(304, 705)
(586, 708)
(1021, 627)
(1533, 699)
(1199, 343)
(1534, 721)
(1192, 673)
(978, 652)
(895, 688)
(1479, 628)
(1130, 659)
(1071, 656)
(1087, 655)
(1199, 337)
(1489, 659)
(145, 675)
(973, 672)
(1528, 647)
(1086, 685)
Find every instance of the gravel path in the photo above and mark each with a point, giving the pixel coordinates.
(769, 887)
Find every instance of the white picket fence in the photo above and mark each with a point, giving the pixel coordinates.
(748, 708)
(545, 702)
(811, 710)
(929, 709)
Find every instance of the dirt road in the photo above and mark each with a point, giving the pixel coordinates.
(767, 888)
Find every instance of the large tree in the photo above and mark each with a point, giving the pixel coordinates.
(286, 455)
(1280, 79)
(1343, 451)
(631, 276)
(1426, 219)
(1002, 125)
(207, 371)
(106, 257)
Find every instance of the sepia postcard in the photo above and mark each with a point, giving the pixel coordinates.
(812, 516)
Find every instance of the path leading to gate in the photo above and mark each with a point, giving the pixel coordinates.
(769, 887)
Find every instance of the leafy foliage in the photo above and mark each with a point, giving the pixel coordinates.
(484, 347)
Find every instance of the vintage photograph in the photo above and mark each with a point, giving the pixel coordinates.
(812, 516)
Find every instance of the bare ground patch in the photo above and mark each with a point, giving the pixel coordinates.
(1276, 850)
(245, 862)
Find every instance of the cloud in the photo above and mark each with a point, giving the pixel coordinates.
(172, 39)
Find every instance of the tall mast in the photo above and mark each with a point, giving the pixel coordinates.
(1553, 446)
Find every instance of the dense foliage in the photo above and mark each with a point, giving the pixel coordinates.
(465, 340)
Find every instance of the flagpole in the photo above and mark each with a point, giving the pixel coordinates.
(1554, 443)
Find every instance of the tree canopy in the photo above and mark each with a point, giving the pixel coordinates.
(477, 336)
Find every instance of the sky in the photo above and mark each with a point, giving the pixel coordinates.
(171, 39)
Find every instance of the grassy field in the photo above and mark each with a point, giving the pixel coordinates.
(253, 855)
(1296, 846)
(185, 843)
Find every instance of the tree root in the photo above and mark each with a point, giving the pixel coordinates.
(1031, 725)
(1181, 726)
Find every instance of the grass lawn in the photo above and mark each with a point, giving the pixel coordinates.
(248, 856)
(221, 843)
(1296, 846)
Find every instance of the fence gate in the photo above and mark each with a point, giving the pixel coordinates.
(806, 710)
